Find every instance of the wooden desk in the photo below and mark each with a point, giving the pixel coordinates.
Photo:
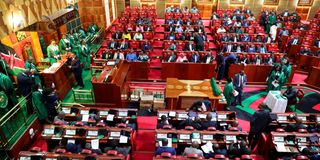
(178, 89)
(188, 71)
(109, 90)
(255, 73)
(307, 62)
(314, 77)
(138, 71)
(62, 78)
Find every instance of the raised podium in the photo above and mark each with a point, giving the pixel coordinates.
(181, 94)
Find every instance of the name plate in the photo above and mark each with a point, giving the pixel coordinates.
(222, 116)
(302, 139)
(318, 119)
(92, 133)
(203, 116)
(103, 113)
(71, 132)
(183, 115)
(231, 138)
(303, 118)
(184, 136)
(123, 113)
(84, 112)
(160, 136)
(114, 134)
(282, 118)
(278, 139)
(172, 114)
(25, 158)
(48, 131)
(207, 137)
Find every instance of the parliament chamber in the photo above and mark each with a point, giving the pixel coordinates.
(160, 79)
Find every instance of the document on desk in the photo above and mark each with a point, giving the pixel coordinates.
(110, 117)
(123, 139)
(207, 147)
(169, 142)
(71, 141)
(85, 117)
(95, 144)
(281, 147)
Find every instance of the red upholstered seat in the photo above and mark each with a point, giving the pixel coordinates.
(246, 157)
(177, 15)
(233, 129)
(148, 35)
(167, 127)
(35, 149)
(302, 131)
(86, 151)
(134, 44)
(280, 130)
(195, 156)
(302, 157)
(211, 129)
(165, 155)
(121, 125)
(101, 124)
(168, 15)
(180, 45)
(112, 152)
(195, 16)
(79, 124)
(219, 156)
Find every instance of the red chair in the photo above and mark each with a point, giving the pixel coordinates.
(121, 125)
(86, 151)
(166, 44)
(112, 153)
(246, 157)
(195, 16)
(193, 156)
(180, 45)
(35, 149)
(134, 44)
(168, 15)
(190, 128)
(219, 156)
(79, 124)
(302, 157)
(233, 129)
(211, 129)
(60, 150)
(148, 35)
(167, 127)
(165, 155)
(302, 131)
(101, 124)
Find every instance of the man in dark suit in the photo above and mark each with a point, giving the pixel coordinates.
(291, 94)
(239, 81)
(251, 49)
(189, 47)
(124, 45)
(237, 150)
(317, 43)
(270, 60)
(75, 66)
(117, 35)
(305, 51)
(164, 148)
(112, 44)
(234, 39)
(171, 58)
(146, 46)
(208, 58)
(258, 123)
(294, 41)
(220, 66)
(195, 58)
(262, 49)
(263, 20)
(246, 38)
(170, 28)
(228, 47)
(208, 122)
(198, 40)
(25, 82)
(224, 38)
(163, 122)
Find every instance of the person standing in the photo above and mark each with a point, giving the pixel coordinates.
(85, 55)
(228, 92)
(25, 82)
(271, 21)
(220, 66)
(76, 68)
(38, 105)
(50, 101)
(198, 40)
(53, 52)
(276, 79)
(239, 81)
(29, 65)
(291, 94)
(64, 45)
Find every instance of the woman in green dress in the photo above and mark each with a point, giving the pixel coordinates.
(38, 105)
(74, 42)
(271, 20)
(85, 55)
(228, 92)
(276, 79)
(64, 45)
(286, 69)
(53, 52)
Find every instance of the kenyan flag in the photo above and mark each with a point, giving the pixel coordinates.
(13, 61)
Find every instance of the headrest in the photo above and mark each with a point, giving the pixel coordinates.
(60, 150)
(112, 152)
(302, 157)
(79, 124)
(302, 130)
(35, 149)
(218, 156)
(211, 129)
(101, 124)
(233, 129)
(167, 127)
(121, 125)
(246, 157)
(165, 155)
(280, 130)
(188, 128)
(86, 151)
(192, 156)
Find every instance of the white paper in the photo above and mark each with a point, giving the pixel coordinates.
(92, 133)
(275, 84)
(222, 116)
(231, 138)
(202, 116)
(161, 136)
(110, 117)
(235, 93)
(84, 112)
(103, 113)
(169, 142)
(123, 139)
(71, 132)
(95, 144)
(85, 117)
(278, 139)
(48, 131)
(282, 118)
(318, 119)
(25, 158)
(207, 137)
(71, 141)
(207, 147)
(182, 115)
(196, 140)
(184, 136)
(66, 110)
(281, 147)
(123, 113)
(302, 139)
(172, 114)
(114, 134)
(303, 118)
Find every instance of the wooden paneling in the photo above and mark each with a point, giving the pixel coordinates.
(192, 71)
(313, 77)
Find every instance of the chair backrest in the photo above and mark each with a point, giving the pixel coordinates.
(35, 149)
(211, 129)
(60, 150)
(300, 94)
(194, 156)
(165, 155)
(112, 152)
(188, 128)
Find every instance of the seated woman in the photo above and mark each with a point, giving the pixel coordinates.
(182, 58)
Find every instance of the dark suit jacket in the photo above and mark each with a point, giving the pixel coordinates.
(268, 58)
(193, 58)
(317, 43)
(173, 59)
(236, 80)
(291, 41)
(259, 121)
(170, 27)
(204, 60)
(187, 48)
(115, 45)
(198, 40)
(126, 45)
(25, 84)
(206, 124)
(117, 35)
(291, 94)
(146, 47)
(225, 48)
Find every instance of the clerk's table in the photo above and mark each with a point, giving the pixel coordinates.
(276, 102)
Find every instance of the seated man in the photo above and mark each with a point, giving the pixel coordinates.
(224, 38)
(294, 127)
(239, 30)
(169, 21)
(246, 38)
(172, 47)
(179, 22)
(208, 58)
(228, 47)
(171, 58)
(291, 94)
(270, 60)
(117, 35)
(146, 21)
(143, 57)
(118, 55)
(148, 28)
(221, 29)
(112, 44)
(138, 36)
(195, 58)
(257, 39)
(139, 28)
(114, 145)
(170, 28)
(59, 119)
(235, 124)
(257, 60)
(193, 149)
(262, 49)
(294, 41)
(234, 38)
(208, 122)
(171, 36)
(306, 51)
(163, 122)
(164, 148)
(251, 49)
(107, 54)
(238, 48)
(317, 43)
(182, 58)
(283, 32)
(124, 45)
(131, 56)
(179, 29)
(238, 149)
(189, 46)
(146, 46)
